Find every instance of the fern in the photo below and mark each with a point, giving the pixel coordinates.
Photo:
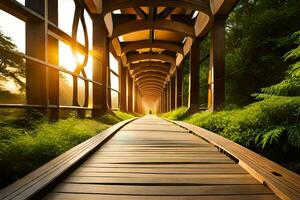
(294, 136)
(271, 137)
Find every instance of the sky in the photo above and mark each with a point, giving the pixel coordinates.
(15, 29)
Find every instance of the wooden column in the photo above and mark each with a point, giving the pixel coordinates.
(37, 46)
(52, 55)
(100, 65)
(129, 92)
(134, 97)
(216, 93)
(194, 81)
(179, 88)
(173, 82)
(166, 99)
(122, 87)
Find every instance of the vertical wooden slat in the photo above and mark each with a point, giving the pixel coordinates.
(194, 81)
(122, 87)
(36, 46)
(52, 54)
(179, 87)
(173, 81)
(129, 92)
(100, 64)
(217, 64)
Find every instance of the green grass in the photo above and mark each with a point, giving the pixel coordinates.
(270, 127)
(28, 141)
(177, 114)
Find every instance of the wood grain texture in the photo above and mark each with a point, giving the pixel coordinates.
(154, 159)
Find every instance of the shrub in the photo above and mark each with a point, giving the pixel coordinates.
(177, 114)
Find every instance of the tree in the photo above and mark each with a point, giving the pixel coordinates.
(11, 66)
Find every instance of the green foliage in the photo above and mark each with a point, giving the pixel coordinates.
(123, 115)
(11, 66)
(270, 126)
(27, 140)
(290, 86)
(255, 50)
(177, 114)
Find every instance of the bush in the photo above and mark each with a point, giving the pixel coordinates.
(177, 114)
(24, 149)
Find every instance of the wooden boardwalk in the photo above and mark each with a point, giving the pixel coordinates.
(151, 158)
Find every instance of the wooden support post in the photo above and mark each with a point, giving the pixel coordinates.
(173, 82)
(108, 89)
(170, 95)
(216, 80)
(122, 87)
(37, 46)
(179, 88)
(100, 65)
(52, 55)
(134, 97)
(194, 81)
(129, 92)
(165, 100)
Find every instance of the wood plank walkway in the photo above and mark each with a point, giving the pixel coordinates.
(151, 158)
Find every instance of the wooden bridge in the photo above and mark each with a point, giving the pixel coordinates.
(150, 158)
(146, 158)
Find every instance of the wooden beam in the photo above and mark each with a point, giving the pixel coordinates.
(193, 102)
(153, 79)
(129, 93)
(139, 12)
(201, 5)
(122, 87)
(216, 97)
(149, 69)
(134, 46)
(150, 84)
(173, 86)
(151, 56)
(152, 74)
(94, 6)
(150, 64)
(100, 65)
(179, 88)
(139, 25)
(166, 12)
(223, 7)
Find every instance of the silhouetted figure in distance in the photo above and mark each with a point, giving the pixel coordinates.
(150, 112)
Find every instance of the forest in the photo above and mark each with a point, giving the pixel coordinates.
(262, 110)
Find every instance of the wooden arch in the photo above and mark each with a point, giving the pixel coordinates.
(149, 64)
(152, 74)
(153, 79)
(200, 5)
(134, 46)
(151, 56)
(150, 69)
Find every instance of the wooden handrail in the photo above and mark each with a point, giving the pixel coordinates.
(39, 179)
(284, 183)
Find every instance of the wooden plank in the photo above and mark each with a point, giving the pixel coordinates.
(235, 170)
(160, 166)
(173, 180)
(281, 181)
(162, 190)
(43, 176)
(68, 196)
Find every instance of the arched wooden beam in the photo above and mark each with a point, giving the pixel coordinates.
(149, 69)
(148, 90)
(161, 24)
(151, 83)
(150, 64)
(151, 87)
(151, 79)
(133, 46)
(151, 56)
(153, 74)
(201, 5)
